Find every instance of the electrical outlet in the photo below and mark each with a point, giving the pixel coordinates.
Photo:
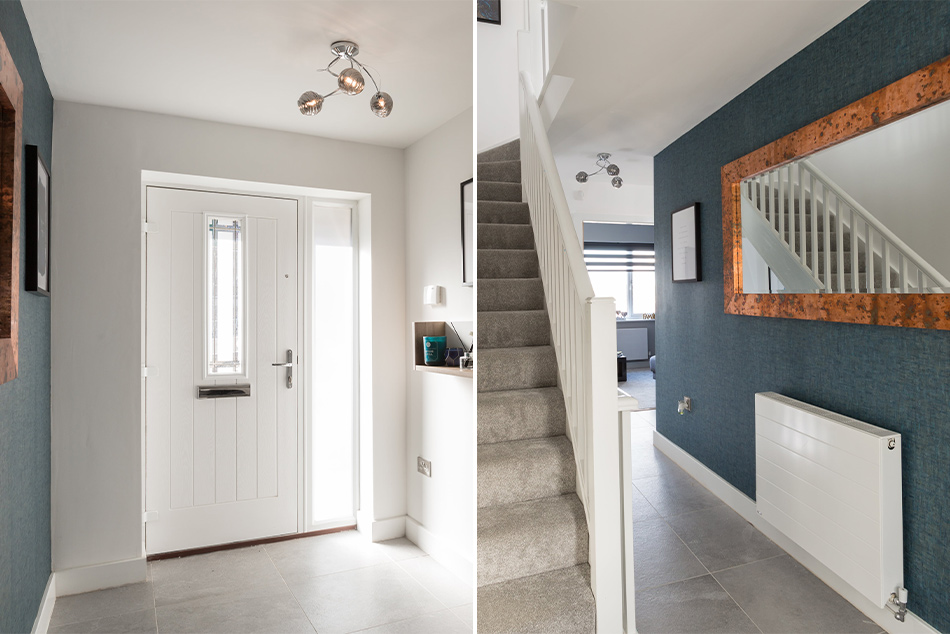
(424, 466)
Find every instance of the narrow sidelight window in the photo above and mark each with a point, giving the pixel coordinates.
(225, 297)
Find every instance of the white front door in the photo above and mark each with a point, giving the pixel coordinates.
(221, 293)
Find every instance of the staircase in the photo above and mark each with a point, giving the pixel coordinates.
(533, 574)
(815, 237)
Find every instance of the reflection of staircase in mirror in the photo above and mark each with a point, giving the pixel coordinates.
(785, 213)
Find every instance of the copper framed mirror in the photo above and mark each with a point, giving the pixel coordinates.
(824, 255)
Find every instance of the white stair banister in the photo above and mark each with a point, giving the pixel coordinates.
(584, 335)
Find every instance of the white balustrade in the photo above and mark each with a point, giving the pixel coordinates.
(584, 335)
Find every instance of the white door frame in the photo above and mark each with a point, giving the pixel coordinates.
(305, 197)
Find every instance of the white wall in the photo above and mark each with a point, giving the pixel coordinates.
(97, 303)
(440, 422)
(498, 76)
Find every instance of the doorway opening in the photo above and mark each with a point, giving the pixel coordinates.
(621, 261)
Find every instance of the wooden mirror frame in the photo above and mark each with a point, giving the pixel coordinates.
(11, 179)
(926, 87)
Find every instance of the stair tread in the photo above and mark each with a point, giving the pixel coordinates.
(507, 151)
(516, 368)
(518, 414)
(521, 470)
(515, 540)
(555, 601)
(513, 328)
(524, 293)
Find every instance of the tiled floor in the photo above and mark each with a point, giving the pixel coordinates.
(332, 583)
(700, 567)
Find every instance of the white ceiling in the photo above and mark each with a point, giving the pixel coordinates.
(246, 62)
(646, 72)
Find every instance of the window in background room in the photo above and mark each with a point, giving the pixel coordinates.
(626, 272)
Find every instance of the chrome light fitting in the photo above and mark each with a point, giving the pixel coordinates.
(603, 162)
(349, 82)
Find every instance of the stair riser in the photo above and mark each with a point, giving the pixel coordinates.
(527, 470)
(531, 538)
(510, 151)
(516, 368)
(498, 212)
(521, 414)
(507, 264)
(517, 294)
(510, 329)
(502, 171)
(496, 236)
(496, 191)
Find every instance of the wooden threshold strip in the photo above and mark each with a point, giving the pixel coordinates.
(253, 542)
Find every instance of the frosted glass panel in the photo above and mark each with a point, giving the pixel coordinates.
(225, 297)
(333, 388)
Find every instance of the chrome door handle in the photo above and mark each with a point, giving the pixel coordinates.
(290, 368)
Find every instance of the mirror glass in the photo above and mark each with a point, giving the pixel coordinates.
(867, 215)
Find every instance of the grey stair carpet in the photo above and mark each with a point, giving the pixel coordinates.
(533, 572)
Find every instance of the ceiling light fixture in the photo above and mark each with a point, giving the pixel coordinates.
(349, 82)
(603, 162)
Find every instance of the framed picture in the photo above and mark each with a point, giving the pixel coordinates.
(468, 233)
(685, 223)
(488, 11)
(37, 223)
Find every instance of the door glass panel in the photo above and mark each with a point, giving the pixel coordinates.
(333, 387)
(225, 326)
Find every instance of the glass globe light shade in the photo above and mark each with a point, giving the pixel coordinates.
(310, 103)
(381, 104)
(613, 170)
(351, 81)
(581, 177)
(617, 182)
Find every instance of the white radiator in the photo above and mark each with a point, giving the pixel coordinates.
(833, 485)
(633, 343)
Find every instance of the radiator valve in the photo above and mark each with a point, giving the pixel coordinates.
(898, 604)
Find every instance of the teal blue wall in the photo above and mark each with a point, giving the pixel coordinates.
(896, 378)
(24, 402)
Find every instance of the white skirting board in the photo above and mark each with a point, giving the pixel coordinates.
(43, 615)
(437, 548)
(745, 507)
(381, 530)
(110, 575)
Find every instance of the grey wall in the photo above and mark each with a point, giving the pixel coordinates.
(24, 402)
(897, 378)
(613, 232)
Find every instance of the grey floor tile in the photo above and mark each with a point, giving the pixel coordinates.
(226, 575)
(675, 493)
(721, 538)
(436, 623)
(138, 622)
(446, 587)
(648, 462)
(696, 605)
(642, 510)
(466, 614)
(358, 599)
(399, 549)
(277, 615)
(660, 557)
(782, 596)
(300, 559)
(95, 605)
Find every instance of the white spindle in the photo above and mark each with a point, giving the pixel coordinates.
(801, 222)
(839, 247)
(814, 233)
(827, 240)
(782, 207)
(903, 273)
(869, 255)
(855, 277)
(886, 267)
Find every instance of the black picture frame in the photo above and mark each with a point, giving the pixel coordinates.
(488, 11)
(467, 202)
(37, 190)
(685, 251)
